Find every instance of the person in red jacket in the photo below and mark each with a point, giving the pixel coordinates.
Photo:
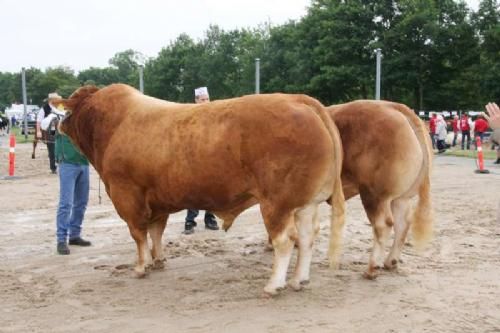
(465, 128)
(432, 129)
(454, 125)
(480, 126)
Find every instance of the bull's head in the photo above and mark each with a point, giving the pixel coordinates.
(72, 104)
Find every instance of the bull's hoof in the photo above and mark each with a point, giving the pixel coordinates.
(391, 265)
(272, 291)
(159, 264)
(140, 273)
(269, 247)
(295, 285)
(370, 275)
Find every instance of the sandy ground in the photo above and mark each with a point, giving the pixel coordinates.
(213, 280)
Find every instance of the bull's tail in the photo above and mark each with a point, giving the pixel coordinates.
(337, 199)
(421, 218)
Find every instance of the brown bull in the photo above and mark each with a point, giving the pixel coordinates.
(387, 161)
(156, 158)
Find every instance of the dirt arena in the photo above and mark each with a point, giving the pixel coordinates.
(213, 281)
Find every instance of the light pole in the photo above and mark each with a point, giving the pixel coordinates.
(378, 73)
(141, 78)
(257, 75)
(25, 101)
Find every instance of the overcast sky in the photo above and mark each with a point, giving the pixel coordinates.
(85, 33)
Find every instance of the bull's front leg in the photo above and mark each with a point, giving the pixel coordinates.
(155, 230)
(144, 259)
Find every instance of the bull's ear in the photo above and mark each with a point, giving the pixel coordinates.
(65, 104)
(76, 98)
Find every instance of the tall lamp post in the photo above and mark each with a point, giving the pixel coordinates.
(378, 73)
(25, 101)
(257, 75)
(141, 78)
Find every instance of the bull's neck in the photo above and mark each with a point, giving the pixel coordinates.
(95, 130)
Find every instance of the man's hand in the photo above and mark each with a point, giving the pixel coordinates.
(493, 115)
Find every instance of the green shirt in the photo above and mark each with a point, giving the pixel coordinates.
(66, 152)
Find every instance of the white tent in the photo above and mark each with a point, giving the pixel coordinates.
(17, 110)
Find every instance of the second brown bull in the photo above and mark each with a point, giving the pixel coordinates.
(387, 161)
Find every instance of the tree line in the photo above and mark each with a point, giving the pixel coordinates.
(437, 55)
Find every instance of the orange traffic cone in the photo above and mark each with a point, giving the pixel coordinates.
(480, 158)
(12, 154)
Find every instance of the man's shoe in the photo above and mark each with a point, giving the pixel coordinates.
(79, 241)
(54, 172)
(189, 227)
(211, 225)
(62, 248)
(188, 231)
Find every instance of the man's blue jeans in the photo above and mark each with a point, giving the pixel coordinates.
(73, 199)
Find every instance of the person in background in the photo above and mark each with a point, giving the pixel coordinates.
(200, 96)
(493, 118)
(465, 129)
(480, 127)
(47, 135)
(73, 190)
(432, 129)
(3, 125)
(441, 134)
(454, 126)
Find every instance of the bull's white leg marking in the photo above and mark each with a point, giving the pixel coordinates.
(306, 226)
(283, 247)
(401, 226)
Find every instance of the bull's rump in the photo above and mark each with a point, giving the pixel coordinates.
(381, 151)
(213, 156)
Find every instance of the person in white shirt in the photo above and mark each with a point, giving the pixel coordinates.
(441, 133)
(48, 136)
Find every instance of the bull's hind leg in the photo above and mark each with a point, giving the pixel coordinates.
(379, 214)
(307, 225)
(401, 226)
(283, 233)
(155, 230)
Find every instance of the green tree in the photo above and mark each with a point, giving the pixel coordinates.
(175, 72)
(127, 63)
(487, 23)
(7, 89)
(99, 76)
(286, 61)
(409, 47)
